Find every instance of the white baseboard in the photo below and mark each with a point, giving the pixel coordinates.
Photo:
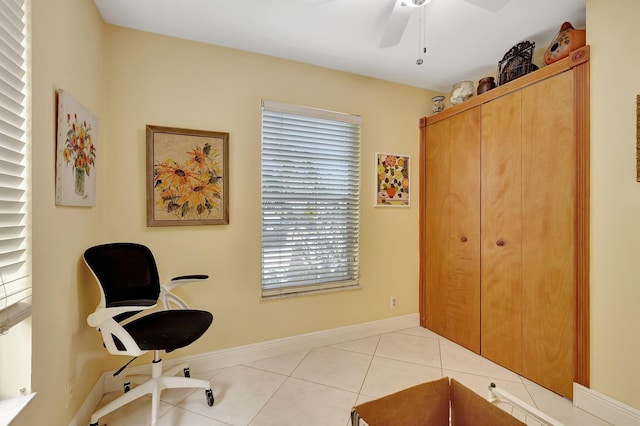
(604, 407)
(90, 403)
(253, 352)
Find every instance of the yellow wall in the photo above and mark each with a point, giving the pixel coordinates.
(165, 81)
(612, 30)
(130, 79)
(67, 53)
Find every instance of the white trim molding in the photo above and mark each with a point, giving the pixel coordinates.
(10, 408)
(604, 407)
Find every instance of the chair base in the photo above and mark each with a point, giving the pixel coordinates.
(154, 386)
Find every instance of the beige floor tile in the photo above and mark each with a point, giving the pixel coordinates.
(284, 364)
(334, 367)
(405, 347)
(458, 358)
(419, 331)
(387, 376)
(299, 402)
(177, 416)
(240, 393)
(367, 345)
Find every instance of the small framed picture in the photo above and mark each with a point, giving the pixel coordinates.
(76, 140)
(392, 180)
(187, 177)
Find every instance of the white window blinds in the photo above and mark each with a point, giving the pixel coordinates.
(310, 199)
(15, 282)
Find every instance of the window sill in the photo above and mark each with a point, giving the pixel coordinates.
(14, 314)
(10, 408)
(266, 295)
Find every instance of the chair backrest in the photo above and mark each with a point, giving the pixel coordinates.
(125, 272)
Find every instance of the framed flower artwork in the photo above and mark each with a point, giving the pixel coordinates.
(187, 177)
(393, 181)
(76, 139)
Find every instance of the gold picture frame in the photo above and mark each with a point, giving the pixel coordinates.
(187, 177)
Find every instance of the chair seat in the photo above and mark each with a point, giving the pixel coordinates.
(169, 330)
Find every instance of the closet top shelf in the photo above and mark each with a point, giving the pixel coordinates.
(577, 57)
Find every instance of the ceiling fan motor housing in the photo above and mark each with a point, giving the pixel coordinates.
(416, 3)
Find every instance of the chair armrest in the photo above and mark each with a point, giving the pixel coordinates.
(167, 296)
(103, 320)
(184, 279)
(102, 315)
(112, 330)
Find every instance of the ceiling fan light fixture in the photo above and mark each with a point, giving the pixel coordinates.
(416, 3)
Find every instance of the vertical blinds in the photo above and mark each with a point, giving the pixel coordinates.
(310, 198)
(15, 282)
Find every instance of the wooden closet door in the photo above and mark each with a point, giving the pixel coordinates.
(501, 218)
(436, 225)
(463, 290)
(548, 233)
(453, 229)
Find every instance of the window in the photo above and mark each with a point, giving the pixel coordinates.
(15, 281)
(310, 199)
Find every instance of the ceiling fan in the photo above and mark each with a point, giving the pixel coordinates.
(402, 11)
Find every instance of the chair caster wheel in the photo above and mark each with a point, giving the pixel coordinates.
(187, 372)
(209, 393)
(127, 387)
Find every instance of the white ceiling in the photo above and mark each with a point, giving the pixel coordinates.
(463, 41)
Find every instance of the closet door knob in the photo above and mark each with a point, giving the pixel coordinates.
(463, 239)
(500, 243)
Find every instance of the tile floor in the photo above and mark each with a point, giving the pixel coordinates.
(319, 387)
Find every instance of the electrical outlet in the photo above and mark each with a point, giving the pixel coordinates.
(394, 302)
(70, 386)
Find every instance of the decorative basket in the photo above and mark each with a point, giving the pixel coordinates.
(516, 62)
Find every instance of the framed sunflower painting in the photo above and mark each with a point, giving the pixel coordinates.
(187, 177)
(392, 173)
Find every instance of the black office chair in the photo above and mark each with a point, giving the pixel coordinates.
(129, 284)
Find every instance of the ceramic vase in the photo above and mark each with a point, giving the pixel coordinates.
(461, 91)
(485, 84)
(438, 103)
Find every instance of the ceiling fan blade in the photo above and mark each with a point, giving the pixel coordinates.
(492, 5)
(397, 24)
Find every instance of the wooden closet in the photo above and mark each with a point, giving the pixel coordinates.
(504, 224)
